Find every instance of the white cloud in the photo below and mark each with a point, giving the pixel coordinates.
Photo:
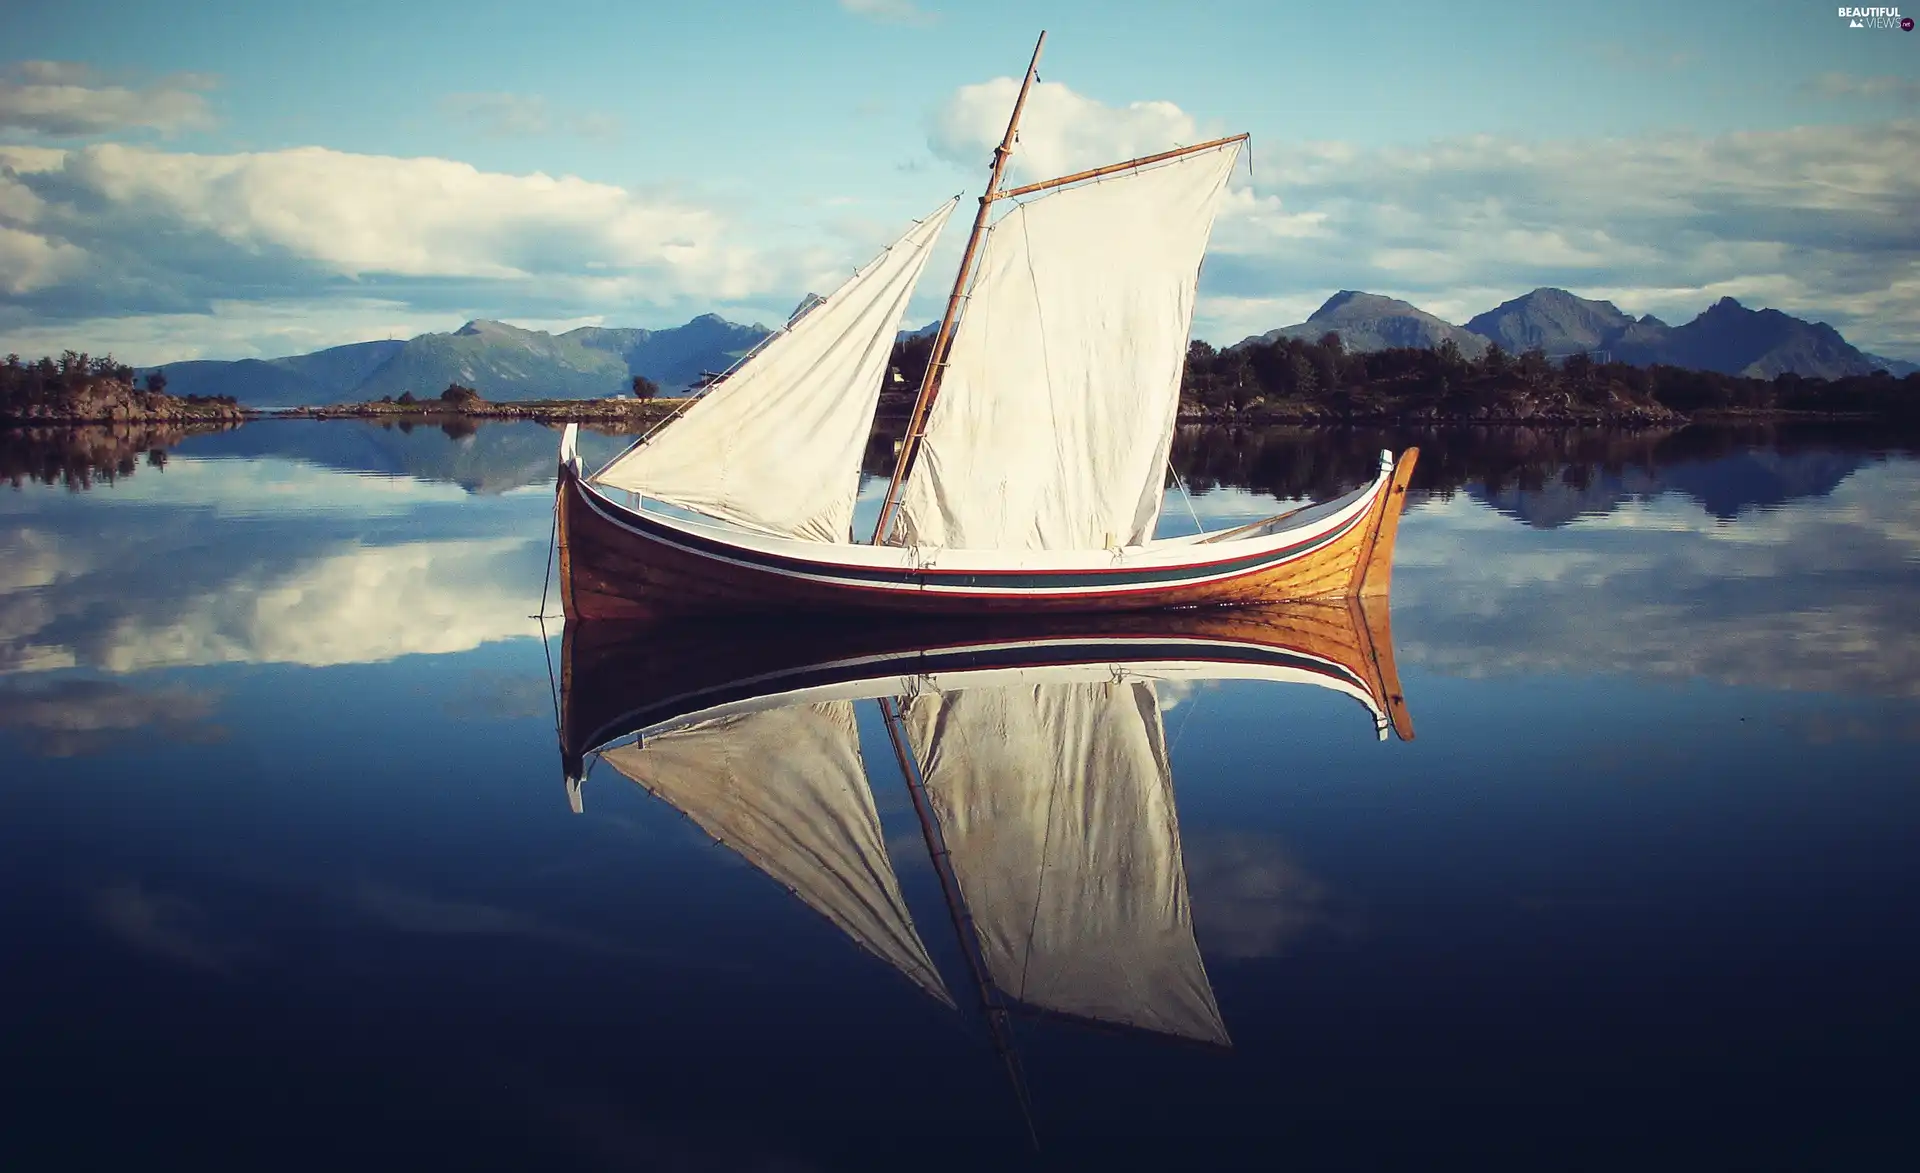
(1060, 131)
(120, 232)
(29, 262)
(25, 160)
(64, 98)
(889, 11)
(363, 215)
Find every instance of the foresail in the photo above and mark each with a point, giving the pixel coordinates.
(776, 447)
(785, 788)
(1056, 807)
(1058, 401)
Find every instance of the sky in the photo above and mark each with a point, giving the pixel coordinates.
(215, 180)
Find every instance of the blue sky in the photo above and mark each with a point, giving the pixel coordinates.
(222, 180)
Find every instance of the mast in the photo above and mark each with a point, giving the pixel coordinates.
(937, 357)
(963, 928)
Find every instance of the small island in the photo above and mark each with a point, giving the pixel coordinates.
(77, 388)
(457, 400)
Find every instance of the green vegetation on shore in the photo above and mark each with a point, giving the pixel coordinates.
(1292, 379)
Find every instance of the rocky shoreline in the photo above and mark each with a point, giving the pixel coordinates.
(116, 402)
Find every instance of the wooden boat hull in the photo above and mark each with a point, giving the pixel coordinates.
(617, 678)
(621, 563)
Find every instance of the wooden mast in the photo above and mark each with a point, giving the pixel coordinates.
(942, 341)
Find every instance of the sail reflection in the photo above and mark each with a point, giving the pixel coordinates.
(1056, 806)
(785, 789)
(1036, 757)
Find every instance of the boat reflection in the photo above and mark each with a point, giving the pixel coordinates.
(1035, 755)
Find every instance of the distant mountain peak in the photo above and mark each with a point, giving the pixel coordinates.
(1358, 300)
(1373, 321)
(805, 307)
(1552, 320)
(480, 326)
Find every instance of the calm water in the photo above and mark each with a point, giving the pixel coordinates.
(290, 879)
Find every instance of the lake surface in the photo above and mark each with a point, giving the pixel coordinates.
(290, 876)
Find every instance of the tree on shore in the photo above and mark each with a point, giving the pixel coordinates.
(644, 388)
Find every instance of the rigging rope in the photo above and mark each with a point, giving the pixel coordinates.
(1187, 497)
(1193, 705)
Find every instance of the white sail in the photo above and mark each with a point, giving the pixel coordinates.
(1057, 809)
(1057, 406)
(785, 789)
(776, 446)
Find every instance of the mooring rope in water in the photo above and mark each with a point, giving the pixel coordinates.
(546, 580)
(553, 684)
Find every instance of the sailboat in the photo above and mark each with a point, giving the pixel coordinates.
(1035, 459)
(1033, 750)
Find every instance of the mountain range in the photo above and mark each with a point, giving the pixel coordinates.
(1727, 337)
(506, 363)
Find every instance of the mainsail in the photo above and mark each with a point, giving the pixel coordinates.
(785, 789)
(1057, 405)
(1056, 805)
(776, 446)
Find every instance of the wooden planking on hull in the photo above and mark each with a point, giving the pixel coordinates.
(609, 571)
